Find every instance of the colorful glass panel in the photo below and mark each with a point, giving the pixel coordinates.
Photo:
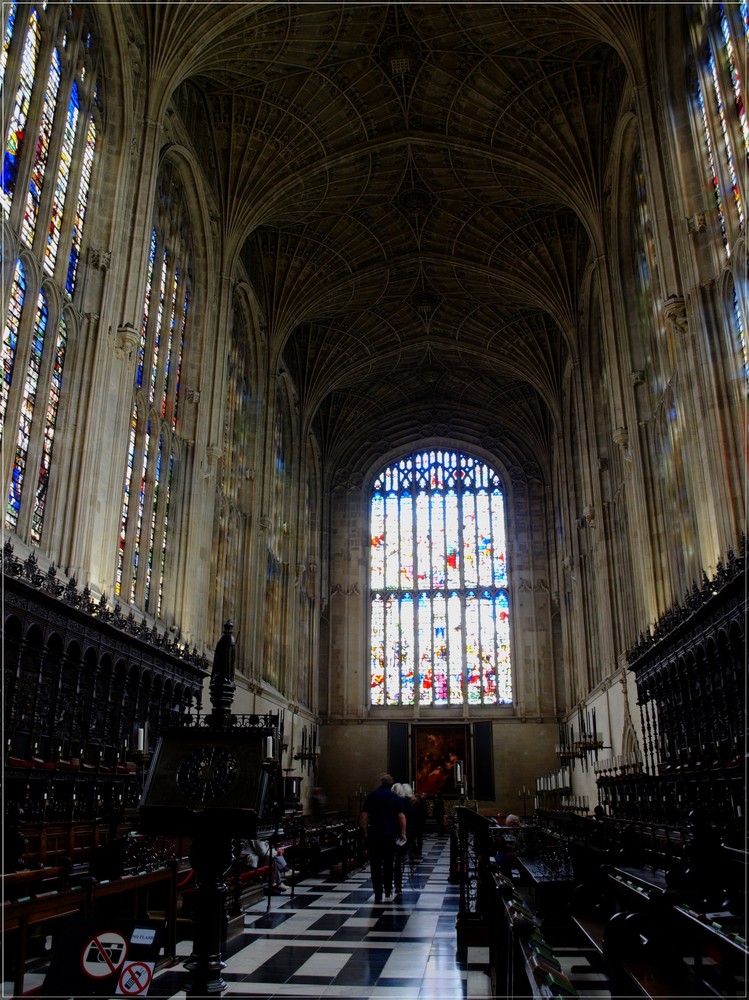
(89, 151)
(740, 334)
(164, 535)
(714, 179)
(10, 337)
(53, 404)
(180, 353)
(41, 152)
(61, 182)
(145, 519)
(126, 498)
(738, 95)
(377, 684)
(140, 511)
(727, 150)
(173, 319)
(146, 311)
(436, 535)
(16, 134)
(28, 402)
(9, 24)
(159, 328)
(153, 520)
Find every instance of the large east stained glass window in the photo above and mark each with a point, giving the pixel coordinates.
(440, 612)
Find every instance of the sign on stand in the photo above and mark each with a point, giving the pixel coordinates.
(106, 958)
(103, 954)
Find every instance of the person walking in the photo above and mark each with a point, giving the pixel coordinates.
(383, 822)
(417, 824)
(402, 851)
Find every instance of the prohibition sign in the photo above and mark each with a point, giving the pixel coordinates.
(135, 979)
(103, 954)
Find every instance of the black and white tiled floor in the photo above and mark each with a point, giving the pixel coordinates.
(327, 938)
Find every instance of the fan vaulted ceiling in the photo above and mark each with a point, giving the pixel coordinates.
(416, 190)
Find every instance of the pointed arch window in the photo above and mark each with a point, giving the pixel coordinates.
(145, 517)
(41, 152)
(725, 132)
(440, 609)
(234, 495)
(16, 135)
(48, 72)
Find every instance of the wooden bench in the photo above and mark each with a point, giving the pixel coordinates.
(31, 881)
(624, 924)
(522, 962)
(128, 896)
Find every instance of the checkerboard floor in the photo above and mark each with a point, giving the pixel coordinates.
(325, 937)
(328, 939)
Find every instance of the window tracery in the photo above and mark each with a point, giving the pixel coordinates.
(154, 431)
(234, 491)
(440, 625)
(723, 122)
(49, 67)
(277, 565)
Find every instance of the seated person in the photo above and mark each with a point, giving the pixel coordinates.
(265, 854)
(504, 855)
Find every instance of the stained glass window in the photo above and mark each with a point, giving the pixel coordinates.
(727, 150)
(740, 333)
(125, 509)
(146, 311)
(53, 402)
(41, 151)
(16, 134)
(10, 337)
(738, 95)
(80, 208)
(440, 613)
(149, 470)
(10, 13)
(714, 178)
(61, 183)
(721, 102)
(47, 164)
(27, 414)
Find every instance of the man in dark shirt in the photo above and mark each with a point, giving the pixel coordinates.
(383, 822)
